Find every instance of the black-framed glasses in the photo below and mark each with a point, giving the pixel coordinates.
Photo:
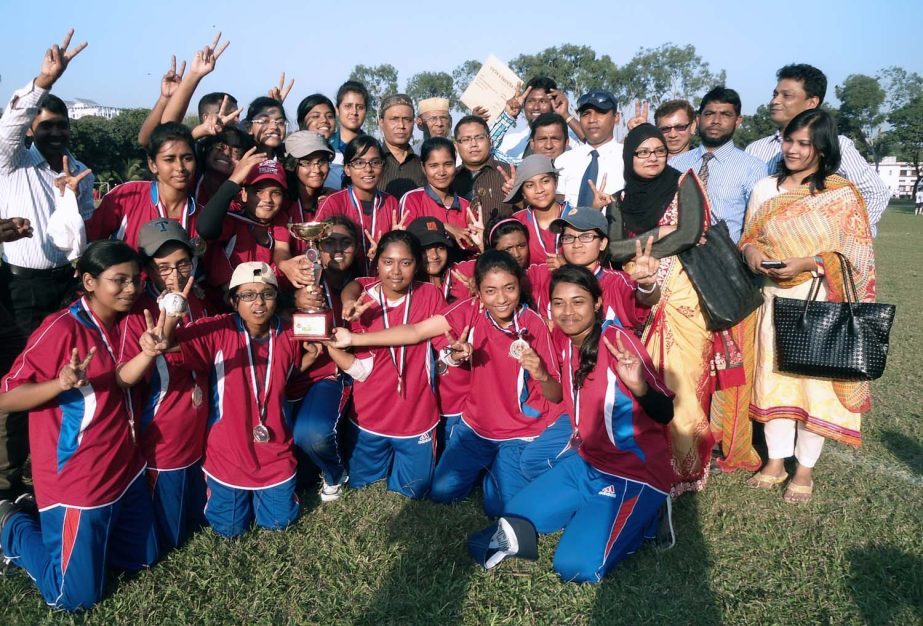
(680, 128)
(182, 267)
(361, 164)
(249, 296)
(644, 153)
(587, 237)
(470, 138)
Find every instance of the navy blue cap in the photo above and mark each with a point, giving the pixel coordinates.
(601, 100)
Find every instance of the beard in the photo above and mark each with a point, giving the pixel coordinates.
(714, 142)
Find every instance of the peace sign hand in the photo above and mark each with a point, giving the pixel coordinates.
(644, 270)
(152, 341)
(214, 123)
(281, 92)
(462, 236)
(467, 282)
(508, 180)
(205, 59)
(353, 310)
(68, 181)
(56, 60)
(476, 226)
(459, 348)
(398, 224)
(514, 105)
(559, 103)
(642, 110)
(171, 80)
(74, 373)
(601, 199)
(628, 366)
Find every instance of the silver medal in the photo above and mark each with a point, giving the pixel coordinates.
(196, 396)
(518, 348)
(260, 434)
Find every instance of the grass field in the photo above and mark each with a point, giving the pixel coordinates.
(852, 556)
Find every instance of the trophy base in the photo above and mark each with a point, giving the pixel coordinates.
(312, 325)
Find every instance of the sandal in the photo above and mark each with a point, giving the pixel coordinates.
(797, 494)
(766, 481)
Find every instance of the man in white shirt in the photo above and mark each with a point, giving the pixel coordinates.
(599, 159)
(35, 275)
(801, 87)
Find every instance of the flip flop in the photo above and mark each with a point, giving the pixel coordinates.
(798, 490)
(766, 481)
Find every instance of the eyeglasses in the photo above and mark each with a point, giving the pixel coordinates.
(361, 164)
(644, 153)
(587, 237)
(125, 281)
(266, 121)
(335, 243)
(445, 119)
(680, 128)
(183, 268)
(313, 163)
(469, 138)
(250, 296)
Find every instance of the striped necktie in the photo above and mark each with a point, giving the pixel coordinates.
(703, 171)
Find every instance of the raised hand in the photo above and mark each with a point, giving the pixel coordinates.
(642, 110)
(559, 103)
(205, 59)
(281, 92)
(481, 112)
(299, 272)
(152, 341)
(248, 161)
(74, 373)
(514, 105)
(398, 224)
(464, 280)
(373, 244)
(68, 181)
(56, 60)
(554, 261)
(353, 310)
(462, 236)
(214, 123)
(628, 366)
(476, 226)
(171, 80)
(14, 228)
(459, 347)
(601, 199)
(644, 268)
(508, 180)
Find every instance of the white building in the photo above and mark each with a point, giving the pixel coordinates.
(899, 176)
(81, 107)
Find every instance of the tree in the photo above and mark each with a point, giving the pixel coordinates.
(860, 119)
(754, 127)
(464, 74)
(576, 69)
(431, 85)
(900, 86)
(381, 81)
(907, 134)
(665, 73)
(109, 147)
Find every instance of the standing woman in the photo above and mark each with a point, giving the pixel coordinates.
(316, 113)
(171, 159)
(804, 216)
(606, 497)
(675, 334)
(93, 501)
(372, 211)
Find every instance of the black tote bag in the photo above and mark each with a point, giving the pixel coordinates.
(838, 340)
(728, 291)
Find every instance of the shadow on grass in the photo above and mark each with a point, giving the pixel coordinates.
(428, 581)
(907, 450)
(887, 584)
(662, 587)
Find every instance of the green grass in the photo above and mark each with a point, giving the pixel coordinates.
(852, 556)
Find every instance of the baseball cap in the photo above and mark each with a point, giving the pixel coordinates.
(430, 231)
(532, 165)
(601, 100)
(253, 272)
(304, 142)
(582, 219)
(268, 170)
(154, 234)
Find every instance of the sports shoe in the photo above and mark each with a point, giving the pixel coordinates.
(508, 536)
(7, 509)
(329, 493)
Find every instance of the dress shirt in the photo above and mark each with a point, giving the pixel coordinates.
(27, 184)
(486, 184)
(574, 162)
(512, 146)
(399, 178)
(852, 167)
(731, 176)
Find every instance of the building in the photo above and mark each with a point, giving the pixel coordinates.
(81, 107)
(899, 176)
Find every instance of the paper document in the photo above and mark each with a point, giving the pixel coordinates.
(494, 84)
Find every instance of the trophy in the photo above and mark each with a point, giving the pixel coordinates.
(313, 323)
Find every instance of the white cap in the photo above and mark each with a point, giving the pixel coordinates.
(253, 272)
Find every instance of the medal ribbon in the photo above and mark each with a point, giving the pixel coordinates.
(187, 210)
(262, 400)
(398, 358)
(538, 230)
(376, 204)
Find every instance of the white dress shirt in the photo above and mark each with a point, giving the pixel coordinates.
(853, 167)
(27, 184)
(574, 162)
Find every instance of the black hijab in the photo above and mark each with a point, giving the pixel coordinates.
(646, 200)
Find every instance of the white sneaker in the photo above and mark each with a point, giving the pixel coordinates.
(329, 493)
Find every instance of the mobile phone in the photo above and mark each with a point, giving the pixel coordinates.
(772, 265)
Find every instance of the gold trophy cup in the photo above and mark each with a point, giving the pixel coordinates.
(314, 323)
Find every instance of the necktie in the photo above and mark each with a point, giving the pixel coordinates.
(585, 197)
(703, 171)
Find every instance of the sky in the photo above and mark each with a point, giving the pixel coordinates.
(318, 44)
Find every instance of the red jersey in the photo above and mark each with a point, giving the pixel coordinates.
(375, 218)
(238, 244)
(616, 436)
(542, 241)
(128, 207)
(171, 402)
(398, 399)
(423, 202)
(507, 403)
(241, 387)
(83, 454)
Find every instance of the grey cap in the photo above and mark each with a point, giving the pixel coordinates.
(305, 142)
(532, 165)
(582, 219)
(155, 233)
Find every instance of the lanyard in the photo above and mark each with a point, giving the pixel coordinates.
(574, 393)
(105, 337)
(517, 331)
(188, 210)
(538, 231)
(398, 358)
(358, 206)
(262, 400)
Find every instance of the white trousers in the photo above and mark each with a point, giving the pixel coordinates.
(785, 438)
